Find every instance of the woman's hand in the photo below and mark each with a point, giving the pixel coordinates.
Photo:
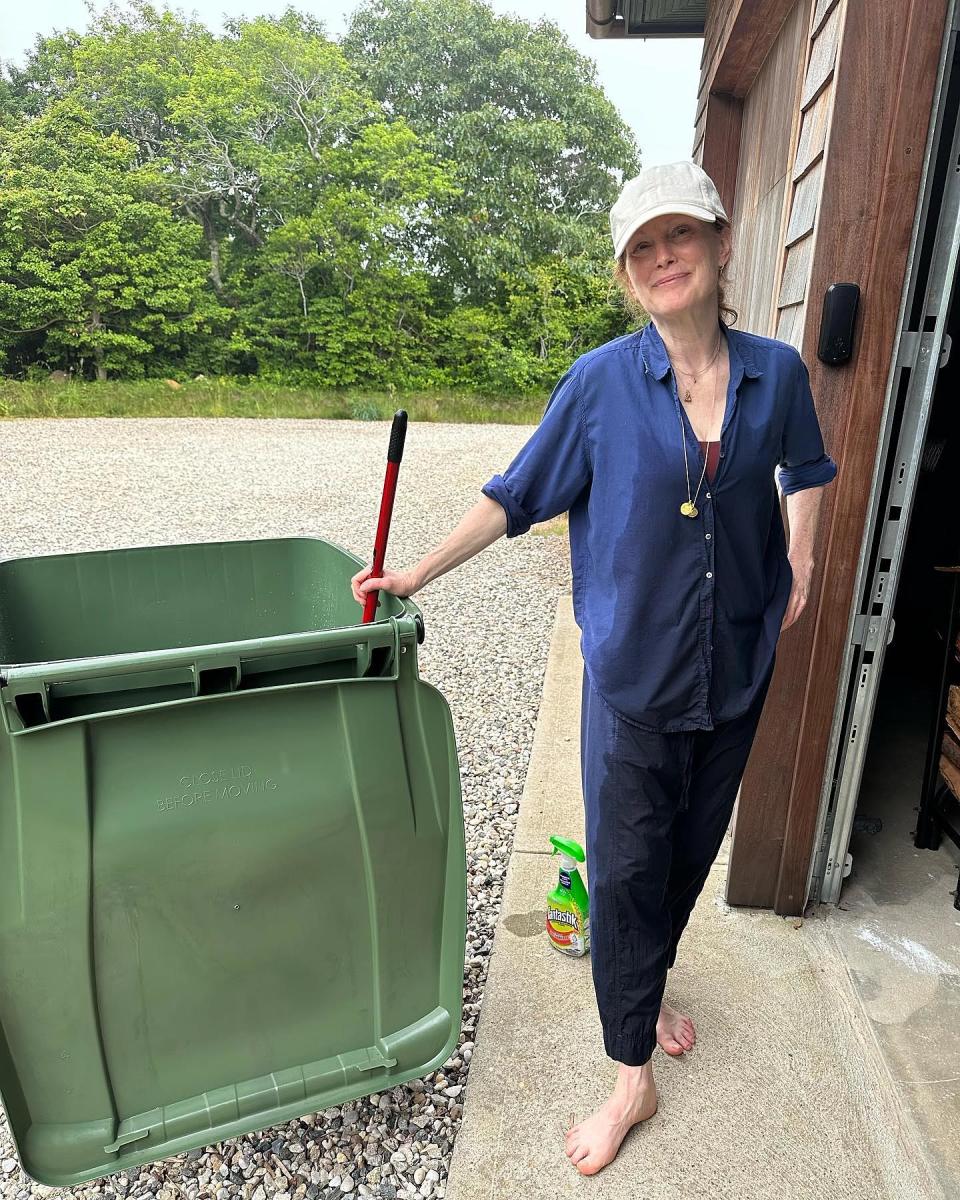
(397, 583)
(802, 574)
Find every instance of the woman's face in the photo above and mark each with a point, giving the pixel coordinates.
(673, 263)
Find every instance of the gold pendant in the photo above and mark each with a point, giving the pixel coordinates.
(689, 509)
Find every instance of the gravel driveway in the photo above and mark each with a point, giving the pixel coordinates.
(89, 484)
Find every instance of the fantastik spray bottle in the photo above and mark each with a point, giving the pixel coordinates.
(568, 906)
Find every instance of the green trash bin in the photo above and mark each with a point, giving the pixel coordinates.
(232, 869)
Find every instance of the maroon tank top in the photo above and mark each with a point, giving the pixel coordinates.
(711, 451)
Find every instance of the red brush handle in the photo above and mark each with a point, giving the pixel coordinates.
(394, 455)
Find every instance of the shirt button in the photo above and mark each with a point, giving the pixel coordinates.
(708, 495)
(709, 574)
(708, 536)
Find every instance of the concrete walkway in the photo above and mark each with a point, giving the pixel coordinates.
(785, 1096)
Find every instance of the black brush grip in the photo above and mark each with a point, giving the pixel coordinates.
(397, 435)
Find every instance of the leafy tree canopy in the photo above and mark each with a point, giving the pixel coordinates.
(422, 204)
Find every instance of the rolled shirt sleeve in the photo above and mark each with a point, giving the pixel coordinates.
(552, 469)
(803, 461)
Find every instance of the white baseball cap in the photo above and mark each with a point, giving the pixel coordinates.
(679, 187)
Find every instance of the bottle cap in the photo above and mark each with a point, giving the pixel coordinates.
(568, 847)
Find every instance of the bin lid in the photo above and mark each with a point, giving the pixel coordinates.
(223, 909)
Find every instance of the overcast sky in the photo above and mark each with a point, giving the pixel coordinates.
(653, 83)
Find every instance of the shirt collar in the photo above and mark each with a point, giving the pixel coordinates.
(743, 358)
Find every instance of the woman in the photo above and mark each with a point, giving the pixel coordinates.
(663, 447)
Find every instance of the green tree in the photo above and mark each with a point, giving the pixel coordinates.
(546, 317)
(94, 272)
(266, 139)
(536, 148)
(422, 204)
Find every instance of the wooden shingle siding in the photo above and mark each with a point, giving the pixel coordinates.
(716, 35)
(769, 110)
(806, 197)
(768, 117)
(806, 174)
(796, 273)
(701, 110)
(790, 324)
(823, 57)
(720, 17)
(777, 59)
(813, 134)
(754, 267)
(823, 10)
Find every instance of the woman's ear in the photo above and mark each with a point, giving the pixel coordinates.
(726, 245)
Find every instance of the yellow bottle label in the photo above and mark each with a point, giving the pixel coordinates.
(568, 931)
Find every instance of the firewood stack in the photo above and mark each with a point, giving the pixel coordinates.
(950, 746)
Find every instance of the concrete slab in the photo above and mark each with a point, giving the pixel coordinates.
(552, 799)
(896, 926)
(785, 1095)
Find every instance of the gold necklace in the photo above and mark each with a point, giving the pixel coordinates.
(688, 395)
(689, 506)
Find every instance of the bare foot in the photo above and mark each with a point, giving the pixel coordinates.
(675, 1032)
(594, 1143)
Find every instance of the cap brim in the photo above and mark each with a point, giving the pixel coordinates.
(687, 210)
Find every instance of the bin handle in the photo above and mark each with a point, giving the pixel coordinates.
(378, 634)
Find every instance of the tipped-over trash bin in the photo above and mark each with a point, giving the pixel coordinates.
(232, 873)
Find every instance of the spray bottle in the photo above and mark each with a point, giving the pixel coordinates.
(568, 906)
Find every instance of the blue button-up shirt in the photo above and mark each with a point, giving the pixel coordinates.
(679, 616)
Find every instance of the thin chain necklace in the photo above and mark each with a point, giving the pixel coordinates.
(689, 506)
(688, 395)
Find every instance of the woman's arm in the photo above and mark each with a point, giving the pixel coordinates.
(805, 470)
(546, 477)
(480, 527)
(803, 514)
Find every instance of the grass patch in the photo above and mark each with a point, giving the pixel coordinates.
(228, 398)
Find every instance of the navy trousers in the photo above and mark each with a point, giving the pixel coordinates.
(657, 806)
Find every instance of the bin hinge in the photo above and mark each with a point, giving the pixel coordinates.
(124, 1139)
(375, 1060)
